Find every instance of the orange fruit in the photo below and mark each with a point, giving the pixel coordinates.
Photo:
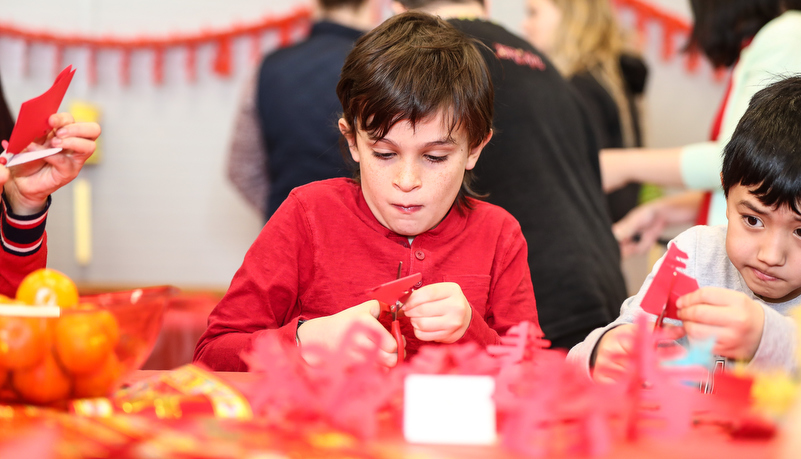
(43, 383)
(82, 342)
(23, 341)
(49, 287)
(100, 382)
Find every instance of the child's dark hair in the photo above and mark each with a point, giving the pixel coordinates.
(765, 149)
(411, 67)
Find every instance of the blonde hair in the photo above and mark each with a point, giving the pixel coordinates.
(589, 40)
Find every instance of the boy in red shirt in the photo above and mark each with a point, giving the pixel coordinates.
(417, 110)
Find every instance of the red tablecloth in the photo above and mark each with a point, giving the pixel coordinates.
(184, 321)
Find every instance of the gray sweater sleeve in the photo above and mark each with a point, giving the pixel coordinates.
(777, 349)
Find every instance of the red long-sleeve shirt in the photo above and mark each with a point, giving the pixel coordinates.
(23, 246)
(323, 248)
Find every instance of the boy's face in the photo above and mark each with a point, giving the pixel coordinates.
(764, 244)
(411, 177)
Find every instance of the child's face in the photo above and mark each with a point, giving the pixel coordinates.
(411, 177)
(764, 244)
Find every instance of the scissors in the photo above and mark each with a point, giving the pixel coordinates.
(10, 159)
(392, 296)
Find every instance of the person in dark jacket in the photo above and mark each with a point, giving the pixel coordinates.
(286, 134)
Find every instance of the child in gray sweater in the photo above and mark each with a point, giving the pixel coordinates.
(750, 270)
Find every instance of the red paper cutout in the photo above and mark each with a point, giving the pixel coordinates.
(668, 285)
(345, 390)
(397, 290)
(32, 122)
(520, 343)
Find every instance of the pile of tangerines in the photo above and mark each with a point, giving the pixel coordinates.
(49, 359)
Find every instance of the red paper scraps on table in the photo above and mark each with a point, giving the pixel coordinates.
(32, 122)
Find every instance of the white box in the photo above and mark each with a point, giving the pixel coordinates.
(449, 409)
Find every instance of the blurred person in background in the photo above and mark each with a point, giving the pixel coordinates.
(583, 40)
(760, 40)
(285, 132)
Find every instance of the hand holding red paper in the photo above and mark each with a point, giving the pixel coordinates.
(439, 312)
(28, 185)
(329, 331)
(733, 318)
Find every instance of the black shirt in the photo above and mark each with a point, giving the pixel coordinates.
(606, 120)
(542, 166)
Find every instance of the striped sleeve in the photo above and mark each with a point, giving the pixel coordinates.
(22, 235)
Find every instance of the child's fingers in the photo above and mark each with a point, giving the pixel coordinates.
(610, 368)
(714, 296)
(422, 296)
(59, 120)
(672, 332)
(705, 314)
(80, 149)
(89, 131)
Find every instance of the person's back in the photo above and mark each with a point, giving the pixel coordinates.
(298, 106)
(285, 132)
(542, 167)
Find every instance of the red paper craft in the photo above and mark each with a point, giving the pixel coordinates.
(34, 114)
(668, 285)
(520, 343)
(397, 290)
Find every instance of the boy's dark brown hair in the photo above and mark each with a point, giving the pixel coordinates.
(409, 68)
(414, 4)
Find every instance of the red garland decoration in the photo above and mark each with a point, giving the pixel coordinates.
(672, 27)
(222, 64)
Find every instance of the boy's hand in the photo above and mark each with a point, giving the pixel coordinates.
(612, 354)
(614, 349)
(330, 330)
(27, 186)
(439, 312)
(733, 318)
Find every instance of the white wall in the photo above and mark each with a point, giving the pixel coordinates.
(163, 211)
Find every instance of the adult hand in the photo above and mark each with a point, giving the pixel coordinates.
(639, 230)
(439, 312)
(28, 185)
(732, 317)
(329, 332)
